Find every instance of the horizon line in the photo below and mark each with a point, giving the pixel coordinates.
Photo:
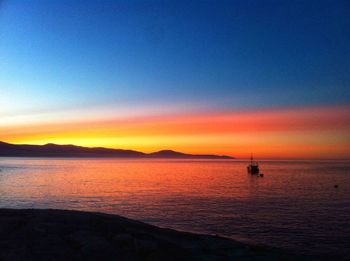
(169, 149)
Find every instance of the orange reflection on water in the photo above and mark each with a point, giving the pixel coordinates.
(119, 179)
(210, 196)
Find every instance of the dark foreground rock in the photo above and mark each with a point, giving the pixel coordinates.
(34, 234)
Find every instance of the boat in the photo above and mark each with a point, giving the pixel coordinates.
(253, 167)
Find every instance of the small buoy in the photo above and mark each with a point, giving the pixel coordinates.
(261, 175)
(336, 186)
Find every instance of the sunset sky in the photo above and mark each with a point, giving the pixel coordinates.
(238, 77)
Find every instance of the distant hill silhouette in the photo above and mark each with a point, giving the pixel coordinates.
(180, 155)
(54, 150)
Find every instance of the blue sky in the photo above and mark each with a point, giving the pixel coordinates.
(236, 54)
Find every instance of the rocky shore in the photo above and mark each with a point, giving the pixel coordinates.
(36, 234)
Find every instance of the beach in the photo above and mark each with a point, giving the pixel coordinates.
(174, 130)
(294, 207)
(52, 234)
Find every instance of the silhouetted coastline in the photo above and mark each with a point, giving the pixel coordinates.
(54, 150)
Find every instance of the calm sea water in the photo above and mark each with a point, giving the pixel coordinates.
(295, 206)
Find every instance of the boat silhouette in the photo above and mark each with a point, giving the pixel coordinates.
(253, 167)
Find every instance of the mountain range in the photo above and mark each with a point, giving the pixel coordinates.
(54, 150)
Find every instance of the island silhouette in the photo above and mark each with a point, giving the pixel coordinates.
(55, 150)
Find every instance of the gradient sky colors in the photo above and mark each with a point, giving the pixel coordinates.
(268, 77)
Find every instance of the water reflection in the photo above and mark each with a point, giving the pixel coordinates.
(293, 206)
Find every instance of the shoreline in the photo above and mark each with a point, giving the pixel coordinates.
(54, 234)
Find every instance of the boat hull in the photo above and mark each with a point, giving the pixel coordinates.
(252, 169)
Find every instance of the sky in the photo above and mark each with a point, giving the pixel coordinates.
(226, 77)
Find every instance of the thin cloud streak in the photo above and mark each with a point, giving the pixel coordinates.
(319, 130)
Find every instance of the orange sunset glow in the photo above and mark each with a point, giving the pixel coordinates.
(174, 130)
(310, 132)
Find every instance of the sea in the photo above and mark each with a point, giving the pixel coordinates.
(301, 206)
